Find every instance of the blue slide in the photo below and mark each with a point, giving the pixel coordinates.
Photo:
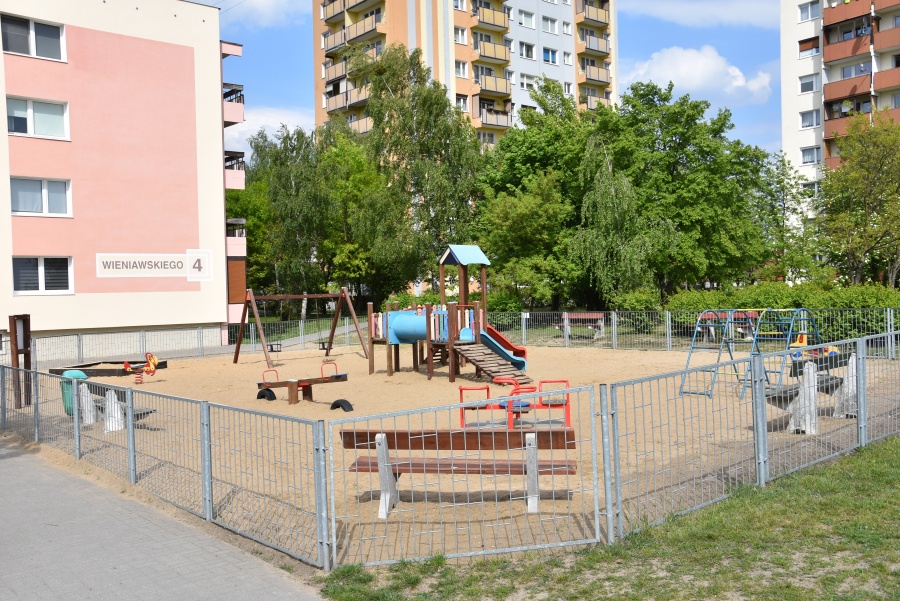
(517, 362)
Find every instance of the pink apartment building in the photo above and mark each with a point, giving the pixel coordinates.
(112, 187)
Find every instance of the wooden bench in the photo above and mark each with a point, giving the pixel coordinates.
(460, 442)
(591, 320)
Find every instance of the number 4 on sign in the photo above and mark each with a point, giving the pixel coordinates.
(198, 265)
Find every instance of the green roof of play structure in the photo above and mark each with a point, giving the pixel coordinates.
(463, 254)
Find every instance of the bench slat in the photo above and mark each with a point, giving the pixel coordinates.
(498, 467)
(459, 440)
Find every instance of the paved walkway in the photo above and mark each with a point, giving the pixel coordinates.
(62, 537)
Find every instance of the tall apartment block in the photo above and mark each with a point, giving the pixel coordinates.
(113, 168)
(488, 53)
(838, 57)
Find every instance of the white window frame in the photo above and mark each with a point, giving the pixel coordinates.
(45, 198)
(527, 82)
(32, 40)
(459, 5)
(549, 25)
(817, 151)
(567, 88)
(817, 121)
(41, 280)
(567, 58)
(461, 69)
(810, 53)
(524, 15)
(567, 28)
(460, 35)
(809, 5)
(526, 46)
(30, 118)
(816, 83)
(554, 56)
(462, 103)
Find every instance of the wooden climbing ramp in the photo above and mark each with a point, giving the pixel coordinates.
(489, 362)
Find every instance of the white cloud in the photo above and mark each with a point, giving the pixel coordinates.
(268, 118)
(260, 13)
(704, 73)
(707, 13)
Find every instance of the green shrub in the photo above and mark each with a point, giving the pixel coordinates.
(639, 300)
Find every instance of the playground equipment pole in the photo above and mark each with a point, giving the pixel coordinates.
(451, 334)
(371, 326)
(429, 346)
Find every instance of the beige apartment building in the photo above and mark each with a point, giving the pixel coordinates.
(488, 53)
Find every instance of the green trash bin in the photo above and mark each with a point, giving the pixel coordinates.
(66, 387)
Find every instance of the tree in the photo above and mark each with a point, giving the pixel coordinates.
(860, 200)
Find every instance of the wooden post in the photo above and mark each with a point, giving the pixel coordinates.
(484, 288)
(443, 285)
(371, 322)
(346, 296)
(477, 322)
(429, 345)
(240, 335)
(20, 344)
(451, 334)
(387, 339)
(334, 323)
(262, 335)
(463, 272)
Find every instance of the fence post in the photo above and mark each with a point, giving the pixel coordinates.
(760, 431)
(2, 398)
(566, 329)
(206, 460)
(320, 450)
(607, 466)
(143, 342)
(615, 330)
(34, 355)
(302, 334)
(35, 396)
(346, 331)
(79, 350)
(76, 417)
(668, 330)
(524, 328)
(892, 343)
(617, 462)
(862, 408)
(253, 337)
(129, 424)
(200, 341)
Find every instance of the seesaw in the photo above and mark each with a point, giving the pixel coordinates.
(295, 386)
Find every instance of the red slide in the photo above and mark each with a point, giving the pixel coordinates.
(517, 351)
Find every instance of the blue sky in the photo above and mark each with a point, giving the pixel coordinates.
(722, 51)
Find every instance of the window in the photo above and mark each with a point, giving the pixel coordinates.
(809, 47)
(459, 35)
(462, 102)
(567, 28)
(567, 88)
(810, 10)
(550, 56)
(856, 70)
(526, 50)
(462, 69)
(895, 101)
(486, 138)
(36, 275)
(811, 156)
(39, 196)
(459, 4)
(35, 118)
(809, 119)
(549, 25)
(526, 82)
(567, 58)
(811, 189)
(31, 38)
(526, 19)
(809, 83)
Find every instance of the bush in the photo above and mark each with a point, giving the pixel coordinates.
(639, 300)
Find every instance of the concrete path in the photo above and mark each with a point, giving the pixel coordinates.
(62, 537)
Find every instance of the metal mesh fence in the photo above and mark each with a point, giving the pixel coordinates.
(477, 478)
(881, 412)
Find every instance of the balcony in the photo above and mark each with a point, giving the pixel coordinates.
(833, 162)
(361, 126)
(846, 49)
(585, 13)
(845, 88)
(235, 237)
(335, 71)
(835, 127)
(493, 118)
(887, 79)
(231, 49)
(336, 102)
(593, 102)
(365, 29)
(881, 5)
(333, 11)
(494, 20)
(592, 45)
(334, 40)
(845, 12)
(492, 53)
(357, 96)
(493, 86)
(232, 104)
(234, 170)
(888, 39)
(594, 74)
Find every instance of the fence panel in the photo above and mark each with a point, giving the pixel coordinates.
(16, 410)
(882, 388)
(264, 480)
(845, 324)
(680, 441)
(469, 485)
(641, 330)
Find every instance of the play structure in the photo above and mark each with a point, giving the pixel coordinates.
(149, 368)
(735, 333)
(514, 410)
(295, 387)
(343, 297)
(450, 333)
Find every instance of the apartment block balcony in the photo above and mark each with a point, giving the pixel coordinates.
(592, 45)
(592, 102)
(845, 11)
(232, 103)
(833, 162)
(336, 103)
(365, 29)
(591, 15)
(361, 126)
(887, 40)
(231, 48)
(592, 74)
(333, 12)
(845, 88)
(494, 118)
(881, 5)
(492, 53)
(335, 71)
(887, 79)
(835, 127)
(494, 20)
(235, 237)
(493, 86)
(334, 40)
(361, 5)
(357, 96)
(235, 178)
(841, 50)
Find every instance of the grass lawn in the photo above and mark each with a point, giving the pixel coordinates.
(829, 532)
